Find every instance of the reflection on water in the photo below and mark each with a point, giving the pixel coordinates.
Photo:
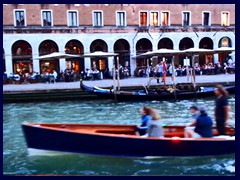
(16, 159)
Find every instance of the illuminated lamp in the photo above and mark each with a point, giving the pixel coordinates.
(19, 51)
(225, 42)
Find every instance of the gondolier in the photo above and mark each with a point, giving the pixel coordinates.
(221, 109)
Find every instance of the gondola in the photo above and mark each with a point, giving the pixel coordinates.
(121, 140)
(151, 95)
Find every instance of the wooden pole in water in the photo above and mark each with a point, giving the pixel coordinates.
(173, 78)
(164, 73)
(118, 74)
(194, 77)
(148, 68)
(114, 81)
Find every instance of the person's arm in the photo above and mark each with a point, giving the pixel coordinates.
(193, 123)
(142, 127)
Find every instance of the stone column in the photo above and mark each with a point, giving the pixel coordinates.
(36, 62)
(110, 63)
(87, 63)
(8, 62)
(62, 64)
(133, 62)
(176, 58)
(215, 56)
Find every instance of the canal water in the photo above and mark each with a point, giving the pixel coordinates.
(18, 160)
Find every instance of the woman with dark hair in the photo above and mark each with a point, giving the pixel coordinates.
(145, 112)
(221, 109)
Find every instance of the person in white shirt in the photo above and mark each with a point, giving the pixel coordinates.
(55, 75)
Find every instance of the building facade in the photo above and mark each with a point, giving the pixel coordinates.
(32, 30)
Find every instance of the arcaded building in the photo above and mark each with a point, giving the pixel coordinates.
(32, 30)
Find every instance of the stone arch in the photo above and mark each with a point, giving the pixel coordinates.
(206, 43)
(122, 47)
(224, 42)
(185, 43)
(48, 65)
(99, 63)
(75, 47)
(22, 57)
(165, 43)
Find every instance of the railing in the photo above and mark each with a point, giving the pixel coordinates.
(115, 29)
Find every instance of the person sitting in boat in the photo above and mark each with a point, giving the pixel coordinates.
(194, 114)
(203, 126)
(142, 129)
(155, 125)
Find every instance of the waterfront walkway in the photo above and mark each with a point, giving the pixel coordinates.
(132, 81)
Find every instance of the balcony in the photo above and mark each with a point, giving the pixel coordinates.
(114, 29)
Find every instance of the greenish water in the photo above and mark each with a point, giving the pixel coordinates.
(17, 160)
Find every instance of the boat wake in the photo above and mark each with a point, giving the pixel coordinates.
(39, 152)
(230, 166)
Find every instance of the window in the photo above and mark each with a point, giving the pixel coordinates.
(206, 19)
(121, 18)
(154, 19)
(47, 18)
(225, 19)
(186, 19)
(72, 18)
(19, 18)
(97, 18)
(143, 19)
(165, 18)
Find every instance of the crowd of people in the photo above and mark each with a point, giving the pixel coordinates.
(201, 124)
(179, 70)
(159, 71)
(95, 74)
(68, 75)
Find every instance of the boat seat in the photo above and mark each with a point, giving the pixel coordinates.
(116, 131)
(173, 134)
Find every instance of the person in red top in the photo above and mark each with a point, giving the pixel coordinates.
(164, 72)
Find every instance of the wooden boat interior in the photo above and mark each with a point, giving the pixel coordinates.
(116, 130)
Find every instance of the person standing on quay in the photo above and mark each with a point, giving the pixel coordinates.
(221, 109)
(159, 71)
